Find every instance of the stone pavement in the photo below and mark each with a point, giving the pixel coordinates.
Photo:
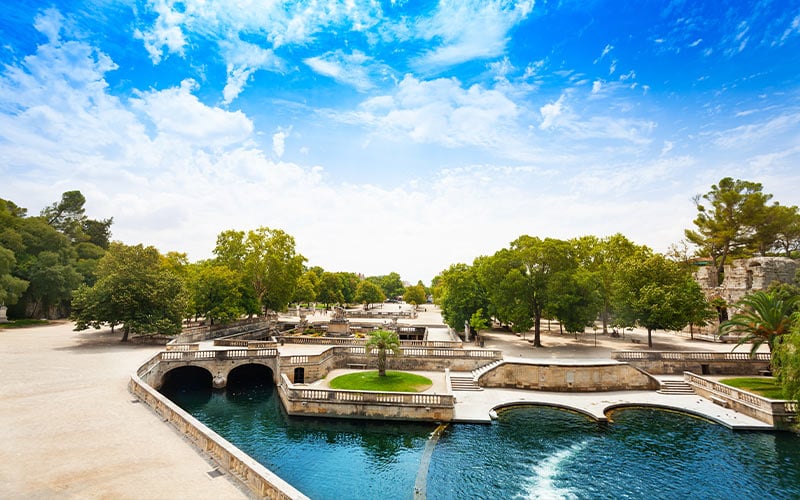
(70, 429)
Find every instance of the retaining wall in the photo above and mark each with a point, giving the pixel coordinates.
(707, 363)
(568, 378)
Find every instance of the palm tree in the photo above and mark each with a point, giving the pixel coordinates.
(383, 341)
(762, 317)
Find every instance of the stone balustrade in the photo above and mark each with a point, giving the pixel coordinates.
(258, 479)
(777, 413)
(356, 341)
(316, 401)
(705, 362)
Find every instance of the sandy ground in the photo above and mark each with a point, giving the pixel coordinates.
(70, 429)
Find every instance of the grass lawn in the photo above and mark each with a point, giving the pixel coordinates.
(763, 386)
(392, 382)
(22, 323)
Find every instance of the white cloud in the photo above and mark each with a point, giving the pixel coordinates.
(596, 86)
(243, 59)
(468, 29)
(352, 69)
(279, 141)
(551, 113)
(439, 111)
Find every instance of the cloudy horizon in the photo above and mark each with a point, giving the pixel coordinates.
(396, 136)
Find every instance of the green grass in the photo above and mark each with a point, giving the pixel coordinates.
(763, 386)
(22, 323)
(392, 382)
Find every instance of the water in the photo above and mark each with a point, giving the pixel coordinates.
(530, 452)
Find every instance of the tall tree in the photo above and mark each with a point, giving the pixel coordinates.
(657, 294)
(728, 220)
(11, 287)
(267, 261)
(542, 260)
(135, 289)
(307, 287)
(368, 293)
(786, 364)
(459, 294)
(383, 342)
(330, 289)
(215, 292)
(415, 295)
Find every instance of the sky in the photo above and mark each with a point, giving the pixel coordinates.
(396, 136)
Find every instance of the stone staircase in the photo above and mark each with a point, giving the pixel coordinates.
(675, 387)
(464, 383)
(469, 382)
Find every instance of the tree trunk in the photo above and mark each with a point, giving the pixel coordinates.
(125, 332)
(649, 338)
(537, 328)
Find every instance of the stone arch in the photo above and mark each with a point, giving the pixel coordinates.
(187, 376)
(299, 375)
(250, 373)
(664, 407)
(523, 404)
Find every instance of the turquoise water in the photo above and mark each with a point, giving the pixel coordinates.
(530, 452)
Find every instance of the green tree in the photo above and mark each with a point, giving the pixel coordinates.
(134, 289)
(507, 292)
(330, 289)
(541, 261)
(267, 261)
(762, 318)
(306, 289)
(459, 294)
(368, 293)
(729, 218)
(574, 299)
(786, 364)
(215, 292)
(383, 342)
(11, 287)
(391, 284)
(415, 295)
(657, 294)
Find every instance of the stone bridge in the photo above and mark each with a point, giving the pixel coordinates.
(219, 363)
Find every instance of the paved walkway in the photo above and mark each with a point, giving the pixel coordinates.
(70, 429)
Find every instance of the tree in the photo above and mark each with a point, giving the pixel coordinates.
(459, 294)
(574, 299)
(657, 294)
(763, 318)
(11, 287)
(787, 364)
(330, 289)
(134, 289)
(215, 292)
(368, 293)
(728, 226)
(306, 289)
(383, 342)
(391, 284)
(267, 261)
(415, 295)
(541, 260)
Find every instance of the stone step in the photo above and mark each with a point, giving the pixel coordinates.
(675, 387)
(464, 383)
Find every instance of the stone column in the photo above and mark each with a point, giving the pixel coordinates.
(3, 318)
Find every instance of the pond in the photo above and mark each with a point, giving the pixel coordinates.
(529, 452)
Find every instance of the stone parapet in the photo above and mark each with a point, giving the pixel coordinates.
(705, 362)
(568, 378)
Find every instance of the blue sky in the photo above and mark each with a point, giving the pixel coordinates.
(397, 135)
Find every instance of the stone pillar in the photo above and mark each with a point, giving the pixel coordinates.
(3, 318)
(219, 382)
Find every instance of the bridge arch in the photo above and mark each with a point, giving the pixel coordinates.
(250, 374)
(186, 377)
(558, 406)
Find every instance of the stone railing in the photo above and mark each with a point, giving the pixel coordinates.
(304, 400)
(222, 355)
(381, 314)
(206, 332)
(247, 344)
(688, 356)
(257, 478)
(777, 413)
(290, 339)
(182, 347)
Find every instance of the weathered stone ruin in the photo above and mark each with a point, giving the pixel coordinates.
(744, 276)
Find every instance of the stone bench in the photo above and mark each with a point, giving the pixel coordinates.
(636, 341)
(360, 366)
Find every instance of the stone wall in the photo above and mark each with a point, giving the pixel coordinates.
(569, 378)
(743, 276)
(706, 363)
